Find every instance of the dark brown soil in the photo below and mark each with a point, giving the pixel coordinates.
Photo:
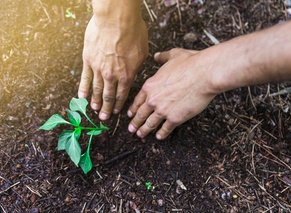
(234, 157)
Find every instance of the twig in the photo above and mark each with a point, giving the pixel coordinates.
(251, 98)
(281, 92)
(45, 11)
(228, 185)
(148, 9)
(278, 159)
(90, 201)
(117, 124)
(211, 37)
(120, 156)
(273, 197)
(97, 211)
(84, 206)
(179, 12)
(120, 206)
(10, 187)
(33, 191)
(3, 208)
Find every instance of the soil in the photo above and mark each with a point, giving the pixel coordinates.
(233, 157)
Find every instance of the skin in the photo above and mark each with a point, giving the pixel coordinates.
(189, 80)
(115, 45)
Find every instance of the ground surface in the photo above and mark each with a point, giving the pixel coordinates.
(234, 157)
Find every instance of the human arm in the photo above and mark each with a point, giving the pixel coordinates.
(115, 45)
(189, 80)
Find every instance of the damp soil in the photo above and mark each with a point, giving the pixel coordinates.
(233, 157)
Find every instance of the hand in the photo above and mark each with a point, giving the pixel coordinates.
(111, 56)
(177, 92)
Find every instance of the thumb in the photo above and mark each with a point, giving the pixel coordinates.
(163, 57)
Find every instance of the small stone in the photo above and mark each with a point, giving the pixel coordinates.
(190, 37)
(160, 202)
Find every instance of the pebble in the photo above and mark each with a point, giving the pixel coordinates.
(190, 37)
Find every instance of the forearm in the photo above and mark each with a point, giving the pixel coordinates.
(256, 58)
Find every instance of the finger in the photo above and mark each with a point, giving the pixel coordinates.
(138, 101)
(123, 89)
(109, 94)
(166, 129)
(141, 115)
(86, 79)
(96, 99)
(163, 57)
(153, 121)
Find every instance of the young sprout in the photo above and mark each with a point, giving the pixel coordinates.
(69, 14)
(69, 139)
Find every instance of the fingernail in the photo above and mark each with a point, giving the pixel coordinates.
(95, 106)
(158, 136)
(115, 111)
(103, 116)
(131, 128)
(81, 94)
(139, 134)
(157, 54)
(129, 113)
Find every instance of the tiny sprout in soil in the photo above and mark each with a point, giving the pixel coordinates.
(68, 139)
(149, 186)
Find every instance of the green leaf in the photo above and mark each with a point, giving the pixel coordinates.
(73, 147)
(79, 104)
(74, 117)
(53, 121)
(63, 139)
(85, 161)
(95, 132)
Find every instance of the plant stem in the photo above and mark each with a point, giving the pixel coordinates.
(91, 121)
(91, 128)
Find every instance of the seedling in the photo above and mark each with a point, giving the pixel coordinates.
(149, 186)
(69, 139)
(69, 14)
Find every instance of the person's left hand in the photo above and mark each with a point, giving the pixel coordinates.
(177, 92)
(112, 54)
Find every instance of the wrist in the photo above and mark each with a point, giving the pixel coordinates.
(231, 65)
(112, 12)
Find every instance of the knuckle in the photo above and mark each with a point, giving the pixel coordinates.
(108, 76)
(140, 116)
(119, 98)
(151, 102)
(97, 89)
(147, 85)
(86, 77)
(108, 99)
(150, 125)
(166, 130)
(94, 66)
(160, 113)
(125, 80)
(173, 121)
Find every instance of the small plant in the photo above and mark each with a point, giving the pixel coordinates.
(68, 139)
(69, 14)
(149, 186)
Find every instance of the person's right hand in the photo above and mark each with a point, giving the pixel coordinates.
(177, 92)
(113, 51)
